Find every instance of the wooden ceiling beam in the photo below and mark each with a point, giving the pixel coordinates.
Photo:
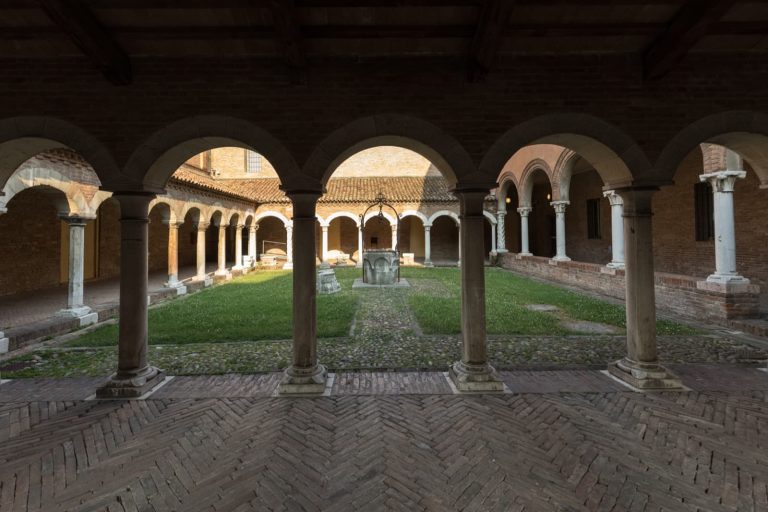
(489, 35)
(91, 37)
(289, 38)
(694, 20)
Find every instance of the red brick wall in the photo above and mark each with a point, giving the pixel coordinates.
(584, 186)
(158, 241)
(30, 251)
(109, 238)
(541, 222)
(271, 229)
(444, 239)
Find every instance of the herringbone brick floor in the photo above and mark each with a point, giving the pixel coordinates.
(602, 450)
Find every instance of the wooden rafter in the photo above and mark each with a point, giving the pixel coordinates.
(489, 35)
(288, 33)
(693, 21)
(93, 39)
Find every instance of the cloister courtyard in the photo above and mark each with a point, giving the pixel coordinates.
(245, 326)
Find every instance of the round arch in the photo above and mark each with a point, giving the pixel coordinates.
(415, 213)
(744, 132)
(491, 217)
(616, 156)
(196, 211)
(562, 173)
(417, 135)
(388, 216)
(526, 180)
(172, 215)
(249, 218)
(71, 202)
(21, 138)
(336, 215)
(58, 196)
(443, 213)
(270, 213)
(505, 181)
(158, 157)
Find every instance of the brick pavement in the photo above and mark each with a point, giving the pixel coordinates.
(601, 450)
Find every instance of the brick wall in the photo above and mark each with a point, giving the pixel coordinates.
(109, 238)
(271, 229)
(30, 251)
(158, 241)
(444, 238)
(584, 186)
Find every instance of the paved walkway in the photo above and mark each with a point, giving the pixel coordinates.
(568, 440)
(24, 308)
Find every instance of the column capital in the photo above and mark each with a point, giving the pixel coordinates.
(304, 202)
(427, 227)
(202, 226)
(559, 206)
(134, 205)
(471, 199)
(75, 220)
(637, 201)
(253, 227)
(613, 197)
(524, 211)
(173, 224)
(324, 229)
(723, 181)
(239, 226)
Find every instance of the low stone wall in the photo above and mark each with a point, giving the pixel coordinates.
(683, 295)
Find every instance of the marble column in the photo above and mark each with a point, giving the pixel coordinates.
(501, 236)
(493, 238)
(252, 232)
(617, 229)
(458, 225)
(394, 237)
(559, 207)
(428, 245)
(305, 375)
(473, 373)
(76, 307)
(324, 261)
(221, 269)
(524, 212)
(640, 368)
(289, 246)
(723, 183)
(359, 263)
(201, 275)
(173, 257)
(134, 376)
(238, 247)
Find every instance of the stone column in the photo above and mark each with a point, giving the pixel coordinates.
(458, 263)
(473, 373)
(134, 375)
(617, 229)
(238, 247)
(173, 257)
(501, 236)
(524, 211)
(493, 238)
(640, 368)
(305, 375)
(394, 236)
(252, 229)
(289, 246)
(428, 245)
(359, 246)
(4, 341)
(723, 183)
(324, 263)
(221, 269)
(559, 207)
(76, 307)
(201, 274)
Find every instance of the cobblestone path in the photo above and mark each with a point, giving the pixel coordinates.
(603, 450)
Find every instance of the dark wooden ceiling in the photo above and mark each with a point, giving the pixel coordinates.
(114, 32)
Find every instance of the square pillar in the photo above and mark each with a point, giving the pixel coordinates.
(473, 373)
(305, 375)
(134, 376)
(640, 368)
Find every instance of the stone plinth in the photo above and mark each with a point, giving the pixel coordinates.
(327, 282)
(380, 267)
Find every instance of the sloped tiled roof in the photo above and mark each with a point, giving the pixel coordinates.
(188, 175)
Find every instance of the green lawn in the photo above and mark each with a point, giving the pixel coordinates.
(258, 307)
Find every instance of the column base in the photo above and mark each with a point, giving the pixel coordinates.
(84, 314)
(730, 279)
(303, 381)
(523, 254)
(179, 288)
(501, 251)
(644, 376)
(615, 264)
(477, 378)
(131, 385)
(222, 276)
(206, 280)
(4, 343)
(288, 266)
(429, 264)
(561, 258)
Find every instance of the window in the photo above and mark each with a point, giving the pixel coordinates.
(252, 162)
(594, 229)
(703, 211)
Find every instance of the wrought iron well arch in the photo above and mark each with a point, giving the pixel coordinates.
(381, 203)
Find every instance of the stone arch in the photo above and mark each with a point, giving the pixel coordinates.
(415, 213)
(417, 135)
(561, 179)
(392, 221)
(188, 207)
(526, 188)
(171, 215)
(270, 213)
(506, 180)
(491, 217)
(249, 218)
(70, 202)
(216, 216)
(233, 215)
(743, 132)
(336, 215)
(58, 196)
(616, 156)
(21, 138)
(443, 213)
(158, 157)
